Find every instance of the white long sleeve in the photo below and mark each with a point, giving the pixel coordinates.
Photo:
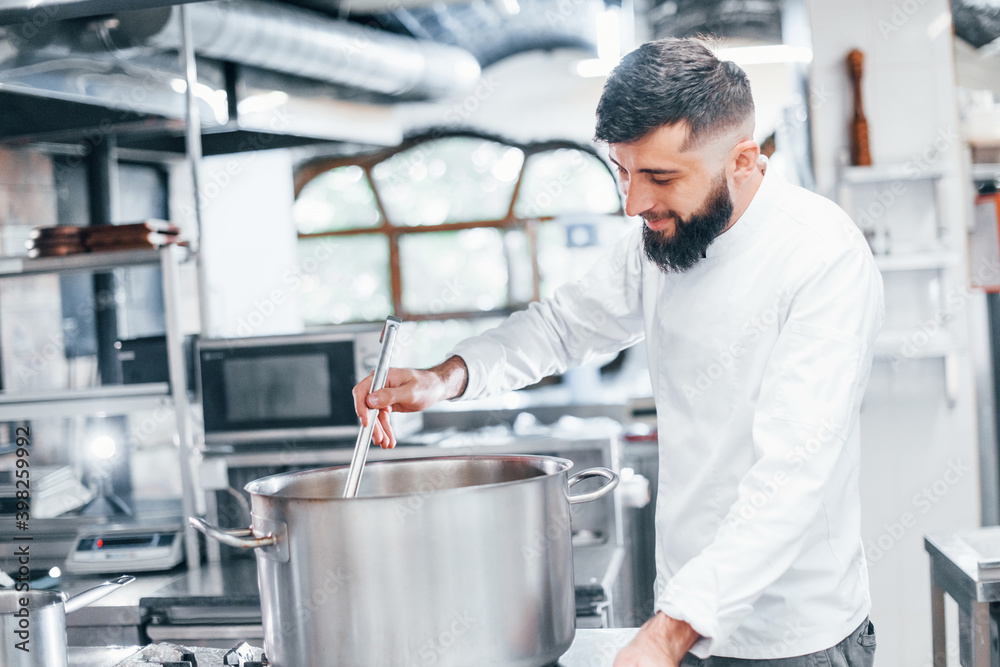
(601, 313)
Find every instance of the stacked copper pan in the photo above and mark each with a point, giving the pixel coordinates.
(55, 241)
(69, 240)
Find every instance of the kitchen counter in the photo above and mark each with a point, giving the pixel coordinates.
(591, 648)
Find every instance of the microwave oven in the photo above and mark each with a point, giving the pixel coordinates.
(284, 388)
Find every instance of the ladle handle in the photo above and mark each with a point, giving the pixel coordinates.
(365, 434)
(96, 593)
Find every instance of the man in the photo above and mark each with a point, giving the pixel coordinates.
(759, 303)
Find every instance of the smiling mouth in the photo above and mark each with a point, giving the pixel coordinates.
(666, 225)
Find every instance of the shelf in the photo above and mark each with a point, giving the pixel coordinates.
(891, 172)
(915, 344)
(116, 399)
(918, 261)
(87, 261)
(985, 172)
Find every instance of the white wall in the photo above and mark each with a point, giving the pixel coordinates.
(912, 436)
(249, 245)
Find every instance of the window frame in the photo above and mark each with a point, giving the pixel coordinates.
(314, 168)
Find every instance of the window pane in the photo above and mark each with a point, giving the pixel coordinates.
(565, 181)
(446, 272)
(520, 281)
(341, 198)
(423, 344)
(457, 179)
(567, 249)
(344, 279)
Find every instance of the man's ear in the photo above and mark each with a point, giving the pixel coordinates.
(744, 158)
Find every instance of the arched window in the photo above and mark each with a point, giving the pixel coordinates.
(453, 231)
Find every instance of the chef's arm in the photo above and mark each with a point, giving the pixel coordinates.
(805, 454)
(601, 313)
(661, 642)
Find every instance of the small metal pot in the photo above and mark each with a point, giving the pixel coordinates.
(450, 562)
(44, 623)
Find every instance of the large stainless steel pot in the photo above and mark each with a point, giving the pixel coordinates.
(451, 562)
(39, 619)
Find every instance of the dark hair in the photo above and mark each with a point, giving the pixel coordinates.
(668, 81)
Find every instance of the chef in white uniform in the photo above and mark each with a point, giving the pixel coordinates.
(759, 303)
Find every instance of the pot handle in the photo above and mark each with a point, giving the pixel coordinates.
(241, 539)
(593, 495)
(273, 546)
(94, 594)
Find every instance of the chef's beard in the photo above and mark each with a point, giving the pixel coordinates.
(691, 237)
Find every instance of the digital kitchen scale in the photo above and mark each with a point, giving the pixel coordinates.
(110, 549)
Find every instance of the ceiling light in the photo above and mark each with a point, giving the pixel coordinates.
(608, 35)
(594, 67)
(608, 45)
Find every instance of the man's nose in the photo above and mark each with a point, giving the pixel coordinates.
(637, 199)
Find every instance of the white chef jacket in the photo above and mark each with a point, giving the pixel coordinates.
(759, 356)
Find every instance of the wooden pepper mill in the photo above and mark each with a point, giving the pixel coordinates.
(860, 155)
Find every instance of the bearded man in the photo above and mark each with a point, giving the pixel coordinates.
(759, 303)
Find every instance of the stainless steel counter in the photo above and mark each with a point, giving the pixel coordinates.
(591, 648)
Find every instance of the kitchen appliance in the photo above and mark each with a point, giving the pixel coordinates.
(107, 549)
(45, 626)
(473, 552)
(145, 359)
(284, 388)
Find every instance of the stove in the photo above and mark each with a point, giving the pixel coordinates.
(172, 655)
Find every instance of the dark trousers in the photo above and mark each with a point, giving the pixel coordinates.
(856, 650)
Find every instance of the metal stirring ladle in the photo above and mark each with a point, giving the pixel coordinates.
(365, 434)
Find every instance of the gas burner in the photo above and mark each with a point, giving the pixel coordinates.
(171, 655)
(244, 655)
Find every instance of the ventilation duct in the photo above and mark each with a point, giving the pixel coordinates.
(302, 43)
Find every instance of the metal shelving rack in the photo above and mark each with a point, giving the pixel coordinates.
(120, 399)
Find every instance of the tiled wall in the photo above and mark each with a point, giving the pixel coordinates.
(30, 316)
(27, 196)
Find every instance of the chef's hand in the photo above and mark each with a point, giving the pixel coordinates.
(408, 390)
(662, 642)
